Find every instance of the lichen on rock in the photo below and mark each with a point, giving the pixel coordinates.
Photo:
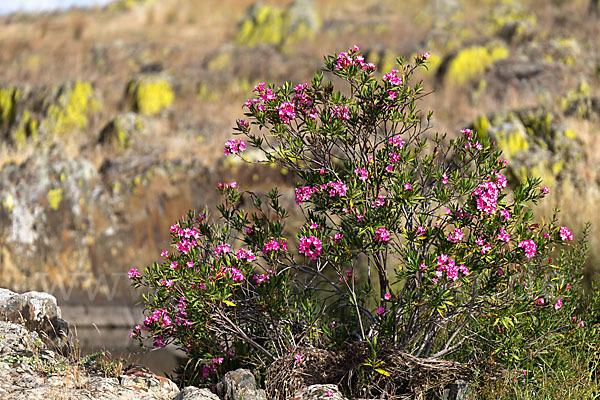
(472, 62)
(71, 107)
(150, 94)
(272, 25)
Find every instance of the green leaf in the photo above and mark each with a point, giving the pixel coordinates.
(229, 303)
(382, 371)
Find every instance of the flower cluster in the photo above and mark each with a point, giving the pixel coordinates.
(311, 247)
(529, 246)
(382, 235)
(275, 245)
(234, 146)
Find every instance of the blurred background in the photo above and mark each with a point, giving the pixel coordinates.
(113, 117)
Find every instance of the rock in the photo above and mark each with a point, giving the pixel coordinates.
(121, 130)
(28, 370)
(271, 25)
(193, 393)
(149, 94)
(37, 311)
(241, 385)
(459, 390)
(31, 114)
(319, 392)
(534, 143)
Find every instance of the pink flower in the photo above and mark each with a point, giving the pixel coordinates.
(444, 178)
(503, 236)
(581, 324)
(392, 78)
(133, 273)
(392, 95)
(286, 111)
(299, 358)
(342, 112)
(529, 247)
(545, 190)
(540, 301)
(337, 189)
(407, 186)
(330, 393)
(222, 249)
(456, 236)
(396, 141)
(565, 233)
(303, 194)
(164, 253)
(505, 214)
(558, 304)
(362, 173)
(380, 310)
(275, 245)
(425, 56)
(387, 296)
(464, 269)
(311, 247)
(234, 146)
(383, 235)
(174, 265)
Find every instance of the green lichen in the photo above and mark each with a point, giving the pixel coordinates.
(71, 109)
(471, 63)
(150, 95)
(55, 197)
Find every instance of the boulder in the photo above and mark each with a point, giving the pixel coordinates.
(193, 393)
(241, 385)
(37, 311)
(121, 130)
(534, 143)
(272, 25)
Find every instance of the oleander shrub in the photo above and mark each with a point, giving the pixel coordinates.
(411, 243)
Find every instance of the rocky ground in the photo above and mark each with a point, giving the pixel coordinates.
(112, 120)
(38, 361)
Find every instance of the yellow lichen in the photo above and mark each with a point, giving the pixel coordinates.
(8, 202)
(266, 24)
(55, 197)
(570, 134)
(71, 109)
(151, 95)
(472, 62)
(27, 129)
(511, 143)
(8, 105)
